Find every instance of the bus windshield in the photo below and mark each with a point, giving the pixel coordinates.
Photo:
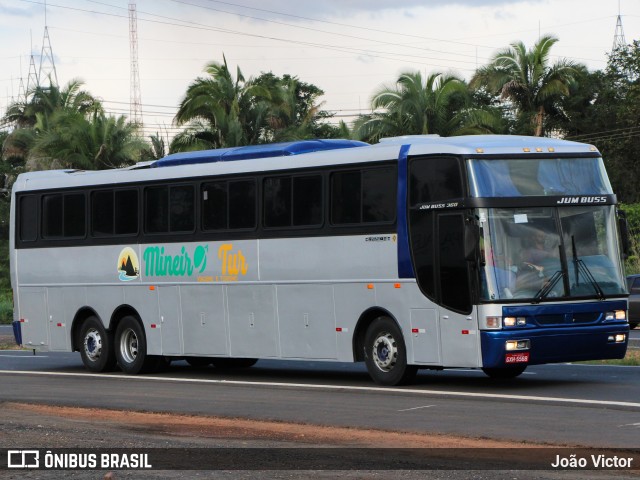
(538, 177)
(548, 252)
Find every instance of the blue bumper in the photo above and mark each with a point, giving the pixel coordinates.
(17, 331)
(555, 337)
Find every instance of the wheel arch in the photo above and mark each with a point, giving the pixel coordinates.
(366, 318)
(81, 315)
(121, 312)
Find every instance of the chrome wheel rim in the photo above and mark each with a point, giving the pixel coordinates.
(385, 352)
(129, 345)
(93, 344)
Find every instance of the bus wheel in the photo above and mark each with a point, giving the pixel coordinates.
(504, 372)
(385, 353)
(233, 362)
(198, 362)
(131, 348)
(96, 346)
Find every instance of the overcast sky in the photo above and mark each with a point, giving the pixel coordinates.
(348, 48)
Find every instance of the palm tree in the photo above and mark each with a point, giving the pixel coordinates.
(46, 100)
(221, 111)
(71, 140)
(35, 113)
(528, 80)
(440, 104)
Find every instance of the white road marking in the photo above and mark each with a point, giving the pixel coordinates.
(25, 356)
(347, 388)
(416, 408)
(637, 425)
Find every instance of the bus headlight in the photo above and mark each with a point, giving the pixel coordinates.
(615, 315)
(513, 345)
(513, 321)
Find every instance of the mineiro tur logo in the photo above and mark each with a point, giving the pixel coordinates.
(128, 265)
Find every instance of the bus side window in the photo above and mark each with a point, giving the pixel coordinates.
(364, 196)
(293, 201)
(28, 218)
(63, 216)
(229, 205)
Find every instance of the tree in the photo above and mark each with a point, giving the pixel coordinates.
(441, 104)
(220, 111)
(71, 140)
(527, 80)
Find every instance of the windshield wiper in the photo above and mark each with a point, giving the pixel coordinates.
(546, 289)
(581, 267)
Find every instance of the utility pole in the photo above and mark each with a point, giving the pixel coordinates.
(618, 38)
(47, 64)
(135, 102)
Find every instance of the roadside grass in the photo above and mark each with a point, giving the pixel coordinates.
(632, 358)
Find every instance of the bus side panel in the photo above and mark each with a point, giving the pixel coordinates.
(62, 303)
(253, 329)
(203, 320)
(33, 315)
(351, 301)
(145, 302)
(306, 321)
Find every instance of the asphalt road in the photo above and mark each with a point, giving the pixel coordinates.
(595, 406)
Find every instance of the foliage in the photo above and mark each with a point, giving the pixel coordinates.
(439, 104)
(222, 111)
(527, 80)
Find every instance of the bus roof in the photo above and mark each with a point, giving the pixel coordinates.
(308, 153)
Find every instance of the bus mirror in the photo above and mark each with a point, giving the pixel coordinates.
(624, 233)
(471, 239)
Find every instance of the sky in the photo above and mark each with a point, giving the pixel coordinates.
(348, 48)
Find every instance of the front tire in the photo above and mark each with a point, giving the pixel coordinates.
(96, 346)
(504, 373)
(386, 355)
(131, 348)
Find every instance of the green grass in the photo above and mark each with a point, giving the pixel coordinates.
(6, 309)
(631, 359)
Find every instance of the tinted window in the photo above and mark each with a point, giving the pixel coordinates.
(169, 209)
(126, 212)
(434, 179)
(102, 213)
(242, 204)
(277, 202)
(74, 215)
(28, 218)
(156, 213)
(363, 196)
(293, 201)
(182, 209)
(307, 200)
(114, 212)
(454, 277)
(229, 205)
(52, 216)
(63, 215)
(423, 247)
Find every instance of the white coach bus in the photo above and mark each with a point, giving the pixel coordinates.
(490, 252)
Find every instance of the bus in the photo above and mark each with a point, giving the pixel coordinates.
(419, 252)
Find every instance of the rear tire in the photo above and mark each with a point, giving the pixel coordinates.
(131, 348)
(233, 362)
(198, 362)
(386, 355)
(96, 346)
(504, 372)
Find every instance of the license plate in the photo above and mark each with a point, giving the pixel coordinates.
(516, 357)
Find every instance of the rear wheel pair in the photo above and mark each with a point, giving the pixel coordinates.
(102, 350)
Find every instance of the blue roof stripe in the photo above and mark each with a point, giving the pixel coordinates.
(255, 151)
